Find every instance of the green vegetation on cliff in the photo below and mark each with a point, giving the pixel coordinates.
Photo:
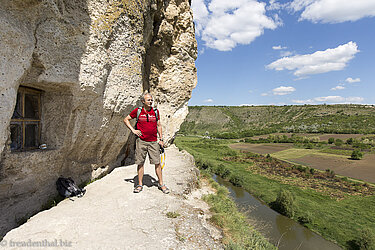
(247, 121)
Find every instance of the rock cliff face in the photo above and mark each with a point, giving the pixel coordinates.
(91, 60)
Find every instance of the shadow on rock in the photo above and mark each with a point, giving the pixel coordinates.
(148, 180)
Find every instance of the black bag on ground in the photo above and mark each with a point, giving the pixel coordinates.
(68, 188)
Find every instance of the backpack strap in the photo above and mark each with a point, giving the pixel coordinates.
(156, 114)
(139, 110)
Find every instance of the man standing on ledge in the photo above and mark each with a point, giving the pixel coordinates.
(147, 127)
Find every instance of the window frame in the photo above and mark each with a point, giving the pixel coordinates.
(25, 121)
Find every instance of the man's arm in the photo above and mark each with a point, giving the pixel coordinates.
(160, 132)
(127, 123)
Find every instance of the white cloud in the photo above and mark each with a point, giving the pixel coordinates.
(351, 80)
(273, 5)
(309, 101)
(279, 47)
(331, 99)
(338, 87)
(264, 94)
(201, 14)
(318, 62)
(333, 11)
(209, 100)
(354, 99)
(224, 24)
(285, 53)
(282, 90)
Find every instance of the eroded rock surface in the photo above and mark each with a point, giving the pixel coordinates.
(92, 60)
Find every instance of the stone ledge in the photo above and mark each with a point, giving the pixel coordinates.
(111, 216)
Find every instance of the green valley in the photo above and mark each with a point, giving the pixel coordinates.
(314, 164)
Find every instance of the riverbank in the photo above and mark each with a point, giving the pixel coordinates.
(111, 216)
(280, 230)
(239, 232)
(346, 220)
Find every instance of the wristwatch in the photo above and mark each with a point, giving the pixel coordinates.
(161, 139)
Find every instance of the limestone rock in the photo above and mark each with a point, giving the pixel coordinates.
(91, 60)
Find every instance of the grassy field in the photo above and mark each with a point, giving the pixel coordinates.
(341, 219)
(294, 153)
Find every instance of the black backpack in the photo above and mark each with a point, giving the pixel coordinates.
(68, 188)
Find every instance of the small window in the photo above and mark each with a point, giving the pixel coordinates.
(25, 122)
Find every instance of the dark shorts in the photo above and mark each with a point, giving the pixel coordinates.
(144, 147)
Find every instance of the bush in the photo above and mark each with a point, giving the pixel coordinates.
(365, 240)
(301, 168)
(349, 141)
(223, 171)
(357, 155)
(305, 218)
(236, 180)
(315, 139)
(339, 142)
(284, 203)
(312, 171)
(331, 140)
(330, 173)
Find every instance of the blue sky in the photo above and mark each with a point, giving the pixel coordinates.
(284, 52)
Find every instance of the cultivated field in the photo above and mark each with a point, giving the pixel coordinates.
(261, 148)
(359, 169)
(322, 137)
(363, 169)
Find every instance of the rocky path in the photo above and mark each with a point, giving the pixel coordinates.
(111, 216)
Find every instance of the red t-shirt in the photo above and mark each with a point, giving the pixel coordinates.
(147, 124)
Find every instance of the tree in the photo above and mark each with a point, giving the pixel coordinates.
(357, 154)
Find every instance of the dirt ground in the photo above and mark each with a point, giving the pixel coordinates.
(322, 137)
(260, 148)
(363, 169)
(359, 169)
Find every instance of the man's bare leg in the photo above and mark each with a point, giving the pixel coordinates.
(140, 174)
(159, 174)
(160, 177)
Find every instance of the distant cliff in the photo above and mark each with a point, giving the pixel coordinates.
(70, 71)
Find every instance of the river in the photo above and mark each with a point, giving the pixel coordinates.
(280, 230)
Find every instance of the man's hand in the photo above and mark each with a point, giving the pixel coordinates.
(161, 143)
(137, 132)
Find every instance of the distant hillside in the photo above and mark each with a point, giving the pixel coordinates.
(236, 122)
